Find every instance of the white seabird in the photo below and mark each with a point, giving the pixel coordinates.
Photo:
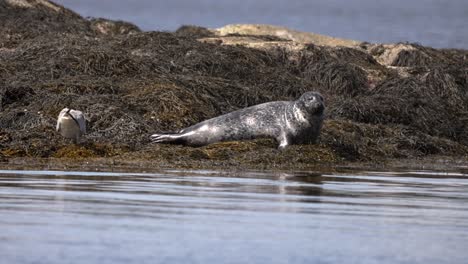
(71, 124)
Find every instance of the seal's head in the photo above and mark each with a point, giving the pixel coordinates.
(312, 103)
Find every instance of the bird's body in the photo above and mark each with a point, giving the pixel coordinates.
(71, 124)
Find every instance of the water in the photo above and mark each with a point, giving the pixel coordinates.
(436, 23)
(243, 217)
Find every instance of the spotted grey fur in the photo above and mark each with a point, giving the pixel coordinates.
(289, 122)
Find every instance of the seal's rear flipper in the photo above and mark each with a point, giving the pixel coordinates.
(167, 138)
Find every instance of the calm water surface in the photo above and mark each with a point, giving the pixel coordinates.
(217, 217)
(436, 23)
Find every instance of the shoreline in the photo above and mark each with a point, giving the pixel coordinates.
(433, 163)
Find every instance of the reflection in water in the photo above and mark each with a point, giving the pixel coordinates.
(259, 217)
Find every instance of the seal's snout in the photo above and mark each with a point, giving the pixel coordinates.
(313, 102)
(320, 108)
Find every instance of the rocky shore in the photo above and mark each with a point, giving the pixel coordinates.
(384, 101)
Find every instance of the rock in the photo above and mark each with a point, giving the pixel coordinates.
(36, 4)
(285, 33)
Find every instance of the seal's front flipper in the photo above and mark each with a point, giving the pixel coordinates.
(168, 138)
(283, 142)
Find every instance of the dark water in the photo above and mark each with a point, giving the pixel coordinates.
(213, 217)
(437, 23)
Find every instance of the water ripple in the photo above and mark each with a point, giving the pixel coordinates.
(261, 217)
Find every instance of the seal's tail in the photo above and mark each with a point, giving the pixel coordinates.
(167, 138)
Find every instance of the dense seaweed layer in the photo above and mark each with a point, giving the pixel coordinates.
(383, 101)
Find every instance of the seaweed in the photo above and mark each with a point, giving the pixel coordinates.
(112, 27)
(383, 101)
(193, 31)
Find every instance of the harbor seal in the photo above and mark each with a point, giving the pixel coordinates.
(71, 124)
(289, 122)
